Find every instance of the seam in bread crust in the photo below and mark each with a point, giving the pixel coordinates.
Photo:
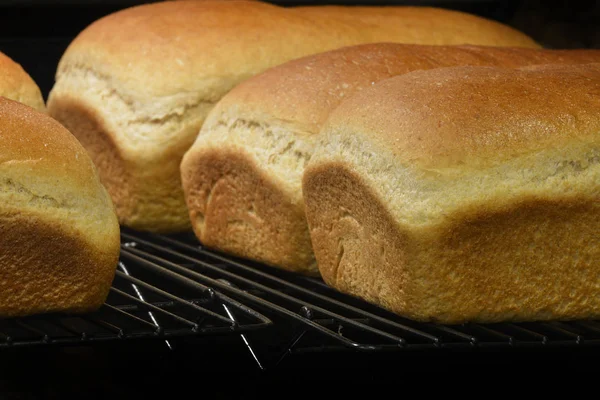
(9, 188)
(148, 141)
(423, 196)
(73, 213)
(137, 121)
(282, 152)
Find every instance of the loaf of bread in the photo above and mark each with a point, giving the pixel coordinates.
(464, 194)
(136, 86)
(59, 234)
(16, 84)
(242, 177)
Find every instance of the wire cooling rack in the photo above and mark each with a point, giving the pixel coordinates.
(145, 301)
(328, 320)
(171, 286)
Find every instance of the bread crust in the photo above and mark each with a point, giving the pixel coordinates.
(437, 132)
(129, 181)
(188, 39)
(303, 92)
(16, 84)
(152, 73)
(60, 235)
(237, 210)
(275, 118)
(46, 267)
(494, 218)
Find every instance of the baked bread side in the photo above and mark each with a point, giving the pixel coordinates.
(59, 234)
(464, 194)
(242, 177)
(135, 87)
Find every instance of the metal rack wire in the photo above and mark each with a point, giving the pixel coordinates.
(143, 303)
(327, 320)
(168, 286)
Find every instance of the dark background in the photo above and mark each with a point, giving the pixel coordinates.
(35, 34)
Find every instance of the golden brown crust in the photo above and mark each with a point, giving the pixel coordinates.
(28, 136)
(187, 38)
(533, 97)
(490, 213)
(152, 73)
(60, 234)
(237, 210)
(112, 170)
(304, 91)
(126, 180)
(521, 263)
(45, 267)
(16, 84)
(421, 25)
(275, 116)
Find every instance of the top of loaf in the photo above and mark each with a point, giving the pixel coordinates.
(28, 136)
(16, 84)
(168, 48)
(464, 117)
(45, 170)
(422, 25)
(303, 92)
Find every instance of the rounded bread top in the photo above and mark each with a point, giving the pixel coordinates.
(303, 92)
(41, 154)
(460, 116)
(16, 84)
(167, 48)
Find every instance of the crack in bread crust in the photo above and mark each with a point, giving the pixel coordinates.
(137, 151)
(137, 119)
(421, 196)
(12, 191)
(281, 152)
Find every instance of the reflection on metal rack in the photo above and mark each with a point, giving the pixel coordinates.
(326, 320)
(143, 303)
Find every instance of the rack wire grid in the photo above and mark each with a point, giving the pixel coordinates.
(145, 301)
(329, 320)
(170, 285)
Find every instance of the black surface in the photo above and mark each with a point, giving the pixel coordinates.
(213, 370)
